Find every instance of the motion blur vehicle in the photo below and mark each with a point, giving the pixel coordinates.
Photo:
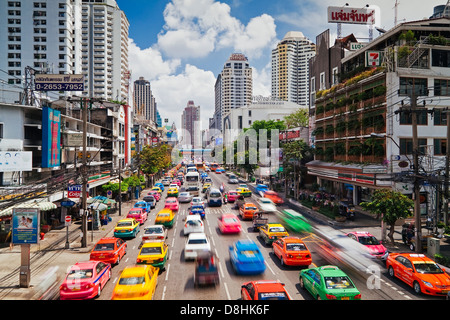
(198, 201)
(264, 290)
(266, 205)
(261, 189)
(229, 223)
(136, 283)
(195, 243)
(246, 257)
(193, 223)
(154, 253)
(347, 209)
(154, 232)
(155, 194)
(292, 251)
(272, 232)
(138, 214)
(126, 228)
(172, 204)
(328, 283)
(419, 272)
(109, 250)
(142, 205)
(272, 195)
(184, 197)
(294, 220)
(85, 280)
(206, 271)
(372, 244)
(165, 217)
(160, 185)
(247, 210)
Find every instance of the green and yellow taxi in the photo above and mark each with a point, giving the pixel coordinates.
(172, 192)
(328, 283)
(206, 186)
(271, 232)
(136, 283)
(165, 217)
(245, 192)
(126, 228)
(154, 253)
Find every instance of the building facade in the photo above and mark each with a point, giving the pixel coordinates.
(190, 125)
(290, 68)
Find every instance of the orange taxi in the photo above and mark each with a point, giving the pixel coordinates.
(419, 272)
(272, 195)
(109, 250)
(264, 290)
(247, 211)
(292, 251)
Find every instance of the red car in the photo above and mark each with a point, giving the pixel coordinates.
(138, 214)
(232, 196)
(85, 280)
(272, 195)
(109, 250)
(264, 290)
(374, 246)
(229, 223)
(155, 194)
(178, 182)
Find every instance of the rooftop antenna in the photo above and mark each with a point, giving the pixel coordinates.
(395, 12)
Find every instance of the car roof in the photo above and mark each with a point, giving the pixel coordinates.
(268, 285)
(107, 240)
(193, 217)
(293, 239)
(197, 235)
(331, 271)
(361, 233)
(126, 219)
(134, 270)
(414, 257)
(245, 244)
(83, 264)
(154, 226)
(153, 244)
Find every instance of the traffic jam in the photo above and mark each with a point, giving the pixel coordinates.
(225, 240)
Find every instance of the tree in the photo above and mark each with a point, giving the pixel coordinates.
(391, 206)
(299, 118)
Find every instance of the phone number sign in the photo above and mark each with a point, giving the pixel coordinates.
(59, 82)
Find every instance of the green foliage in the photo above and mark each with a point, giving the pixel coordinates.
(300, 118)
(153, 159)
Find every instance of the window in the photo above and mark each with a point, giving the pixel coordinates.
(335, 76)
(440, 58)
(418, 86)
(441, 87)
(440, 147)
(406, 146)
(422, 117)
(322, 81)
(1, 130)
(440, 117)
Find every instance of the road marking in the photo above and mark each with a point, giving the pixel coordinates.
(226, 290)
(269, 267)
(115, 280)
(221, 270)
(173, 241)
(164, 293)
(167, 271)
(217, 254)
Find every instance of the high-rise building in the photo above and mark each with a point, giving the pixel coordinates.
(290, 72)
(234, 87)
(64, 37)
(190, 125)
(144, 101)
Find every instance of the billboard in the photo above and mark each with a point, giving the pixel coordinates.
(25, 225)
(59, 82)
(16, 161)
(364, 16)
(51, 137)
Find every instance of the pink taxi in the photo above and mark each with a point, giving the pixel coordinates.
(172, 204)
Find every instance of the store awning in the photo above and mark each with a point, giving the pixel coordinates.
(41, 204)
(98, 206)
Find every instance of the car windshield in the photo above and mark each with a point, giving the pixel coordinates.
(272, 296)
(134, 213)
(170, 201)
(194, 222)
(215, 195)
(164, 215)
(124, 224)
(140, 205)
(295, 247)
(152, 230)
(249, 253)
(130, 281)
(197, 241)
(150, 250)
(342, 282)
(277, 229)
(230, 220)
(368, 240)
(427, 267)
(104, 247)
(250, 208)
(80, 274)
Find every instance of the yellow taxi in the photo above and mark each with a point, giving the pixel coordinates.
(245, 192)
(172, 192)
(206, 186)
(136, 283)
(126, 228)
(270, 232)
(156, 189)
(165, 217)
(154, 253)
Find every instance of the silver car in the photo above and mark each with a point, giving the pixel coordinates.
(184, 197)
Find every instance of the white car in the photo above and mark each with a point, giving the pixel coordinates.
(165, 182)
(184, 197)
(174, 185)
(193, 223)
(154, 232)
(267, 205)
(198, 201)
(196, 242)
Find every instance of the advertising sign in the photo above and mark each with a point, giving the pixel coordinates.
(59, 82)
(51, 137)
(75, 191)
(357, 45)
(25, 225)
(373, 58)
(75, 139)
(351, 15)
(16, 161)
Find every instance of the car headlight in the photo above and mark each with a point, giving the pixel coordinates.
(427, 284)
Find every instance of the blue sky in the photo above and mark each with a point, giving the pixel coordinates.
(180, 46)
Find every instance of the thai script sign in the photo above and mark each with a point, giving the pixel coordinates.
(351, 15)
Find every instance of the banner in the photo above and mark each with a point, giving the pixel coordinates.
(51, 137)
(25, 225)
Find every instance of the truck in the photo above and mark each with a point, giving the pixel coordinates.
(259, 220)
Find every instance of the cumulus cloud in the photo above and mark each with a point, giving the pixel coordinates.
(196, 28)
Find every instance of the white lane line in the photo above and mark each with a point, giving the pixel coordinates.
(173, 242)
(226, 290)
(221, 270)
(269, 267)
(167, 271)
(164, 293)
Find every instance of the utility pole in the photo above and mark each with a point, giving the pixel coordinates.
(447, 169)
(120, 187)
(84, 110)
(416, 194)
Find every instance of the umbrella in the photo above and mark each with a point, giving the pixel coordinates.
(98, 206)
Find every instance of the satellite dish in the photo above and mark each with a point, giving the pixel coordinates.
(380, 30)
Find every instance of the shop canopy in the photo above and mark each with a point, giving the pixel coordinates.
(41, 204)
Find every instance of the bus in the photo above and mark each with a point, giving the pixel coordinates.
(192, 183)
(214, 166)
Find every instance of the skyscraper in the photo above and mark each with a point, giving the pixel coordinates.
(144, 101)
(290, 68)
(234, 87)
(190, 125)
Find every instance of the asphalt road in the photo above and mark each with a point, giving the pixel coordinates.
(176, 281)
